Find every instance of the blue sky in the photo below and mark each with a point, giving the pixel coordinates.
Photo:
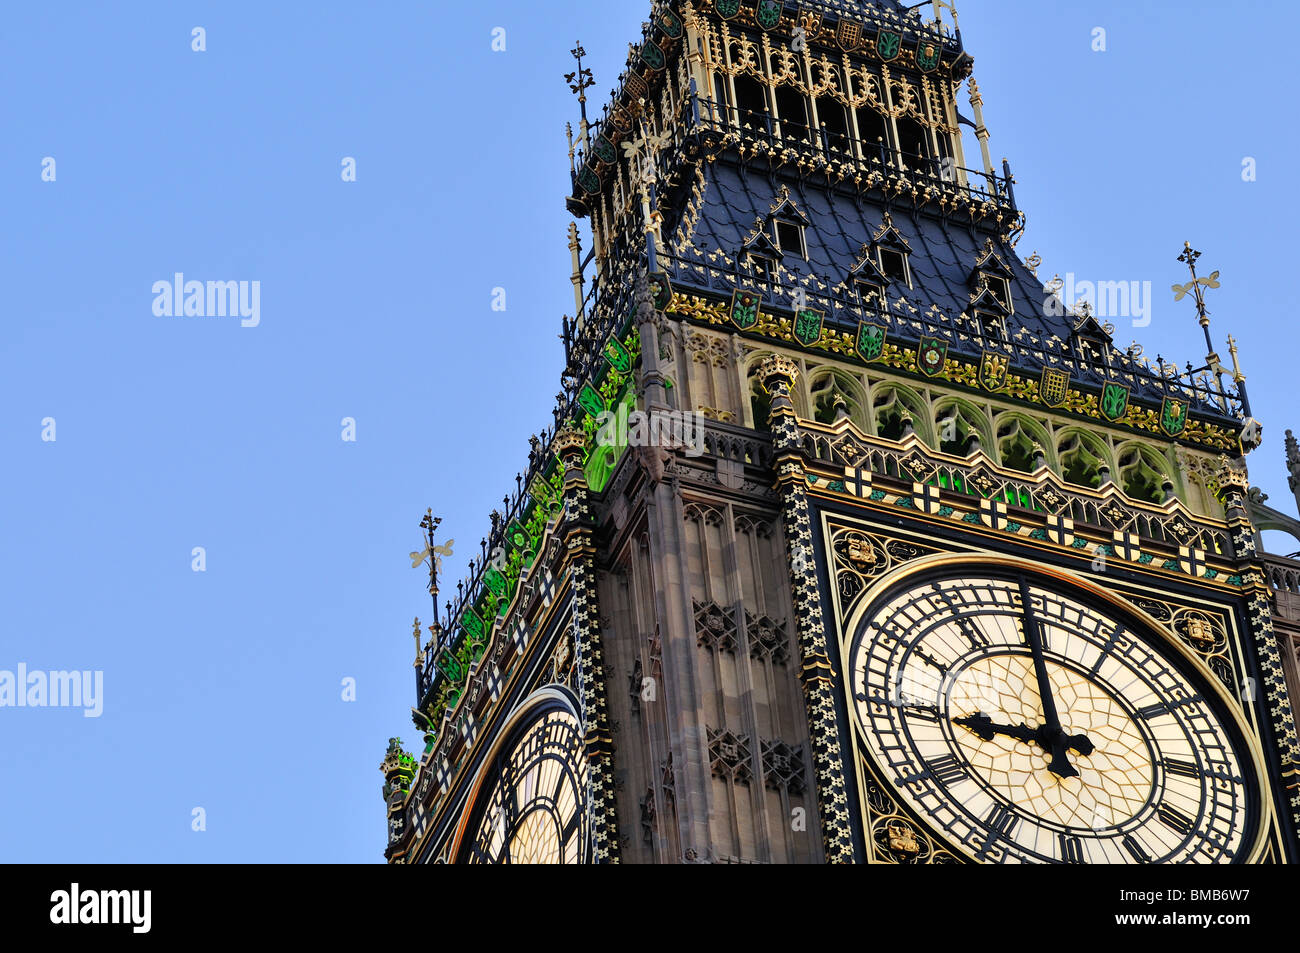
(222, 688)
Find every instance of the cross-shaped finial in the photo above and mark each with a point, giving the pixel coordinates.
(1196, 286)
(581, 78)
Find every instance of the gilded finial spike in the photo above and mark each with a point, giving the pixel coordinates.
(1237, 376)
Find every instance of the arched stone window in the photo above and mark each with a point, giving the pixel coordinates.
(760, 401)
(1082, 457)
(892, 405)
(1143, 473)
(1019, 442)
(960, 426)
(827, 387)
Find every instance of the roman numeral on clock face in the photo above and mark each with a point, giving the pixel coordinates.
(999, 820)
(945, 770)
(1135, 849)
(1184, 769)
(974, 636)
(1070, 848)
(922, 713)
(1175, 820)
(1153, 711)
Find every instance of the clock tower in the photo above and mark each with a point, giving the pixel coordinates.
(851, 541)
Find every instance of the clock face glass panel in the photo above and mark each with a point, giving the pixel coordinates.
(534, 810)
(1132, 758)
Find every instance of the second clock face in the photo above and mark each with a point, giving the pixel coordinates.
(534, 811)
(1030, 722)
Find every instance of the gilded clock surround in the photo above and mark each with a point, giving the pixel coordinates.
(885, 809)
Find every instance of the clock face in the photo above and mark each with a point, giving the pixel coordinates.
(1068, 731)
(532, 806)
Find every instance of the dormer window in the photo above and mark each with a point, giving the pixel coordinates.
(764, 268)
(890, 252)
(870, 294)
(999, 287)
(789, 237)
(761, 252)
(991, 281)
(781, 233)
(893, 264)
(867, 280)
(991, 325)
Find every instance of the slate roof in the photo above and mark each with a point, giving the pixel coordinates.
(943, 257)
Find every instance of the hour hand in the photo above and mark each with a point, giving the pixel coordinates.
(1052, 740)
(983, 726)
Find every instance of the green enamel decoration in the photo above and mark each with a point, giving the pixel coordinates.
(927, 54)
(619, 357)
(768, 13)
(669, 22)
(1114, 401)
(652, 56)
(495, 582)
(726, 8)
(604, 150)
(591, 401)
(888, 45)
(450, 665)
(516, 538)
(588, 180)
(744, 309)
(871, 340)
(1173, 416)
(472, 624)
(661, 291)
(808, 326)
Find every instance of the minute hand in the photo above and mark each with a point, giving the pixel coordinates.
(1058, 744)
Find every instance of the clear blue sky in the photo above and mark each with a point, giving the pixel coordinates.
(222, 688)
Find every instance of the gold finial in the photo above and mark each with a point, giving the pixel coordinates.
(419, 656)
(1237, 376)
(1033, 262)
(579, 289)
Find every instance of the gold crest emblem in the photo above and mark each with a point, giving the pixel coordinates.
(1054, 387)
(848, 34)
(993, 370)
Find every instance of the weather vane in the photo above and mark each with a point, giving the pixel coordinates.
(1197, 288)
(432, 556)
(580, 80)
